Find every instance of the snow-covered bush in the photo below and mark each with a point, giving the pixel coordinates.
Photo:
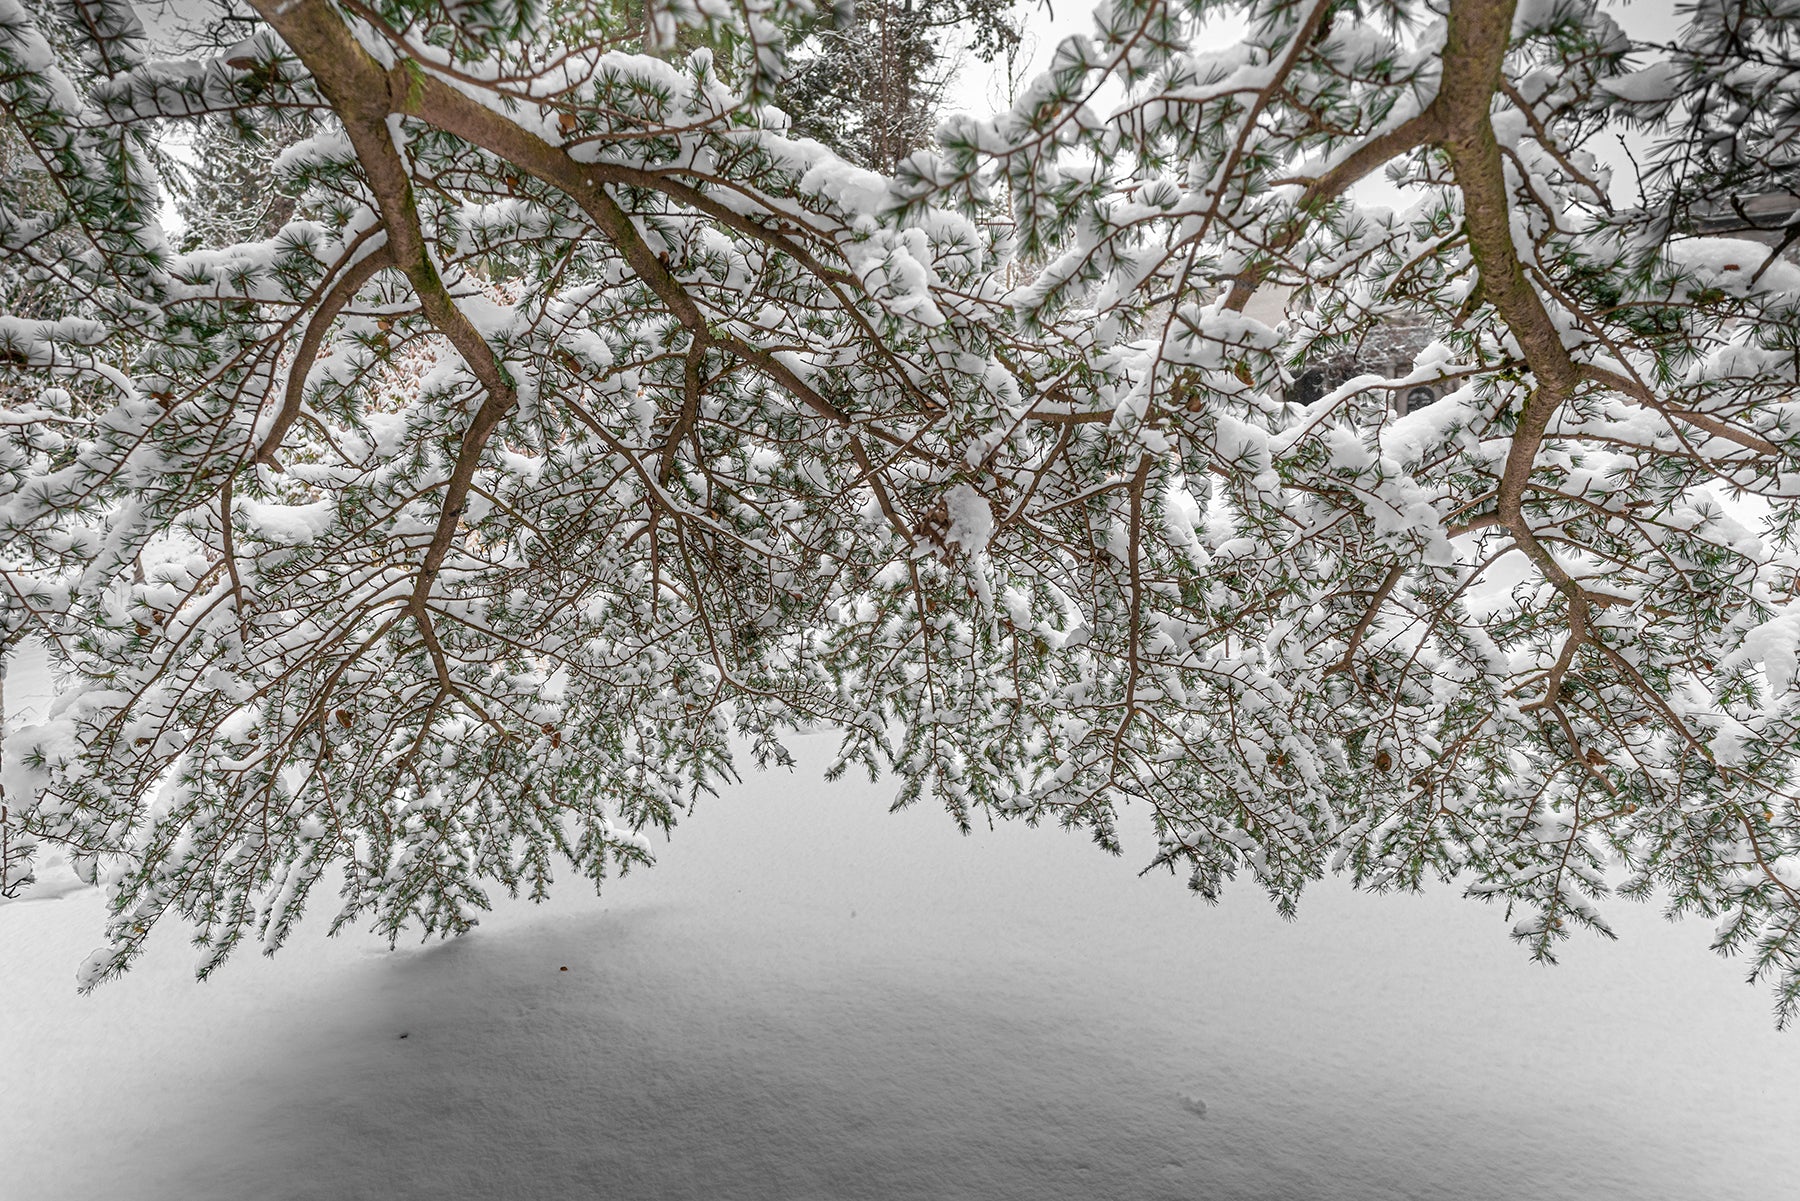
(582, 421)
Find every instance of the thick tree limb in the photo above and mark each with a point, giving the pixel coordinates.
(356, 87)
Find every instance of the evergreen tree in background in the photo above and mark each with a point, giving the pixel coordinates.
(870, 83)
(583, 430)
(229, 191)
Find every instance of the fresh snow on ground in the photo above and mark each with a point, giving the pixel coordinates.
(811, 998)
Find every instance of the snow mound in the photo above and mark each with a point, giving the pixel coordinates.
(812, 999)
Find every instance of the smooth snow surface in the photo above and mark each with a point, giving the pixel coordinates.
(810, 998)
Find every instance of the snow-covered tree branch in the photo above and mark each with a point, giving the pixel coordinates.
(581, 422)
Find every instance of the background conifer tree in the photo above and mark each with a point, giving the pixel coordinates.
(870, 82)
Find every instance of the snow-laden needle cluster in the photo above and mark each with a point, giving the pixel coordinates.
(582, 421)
